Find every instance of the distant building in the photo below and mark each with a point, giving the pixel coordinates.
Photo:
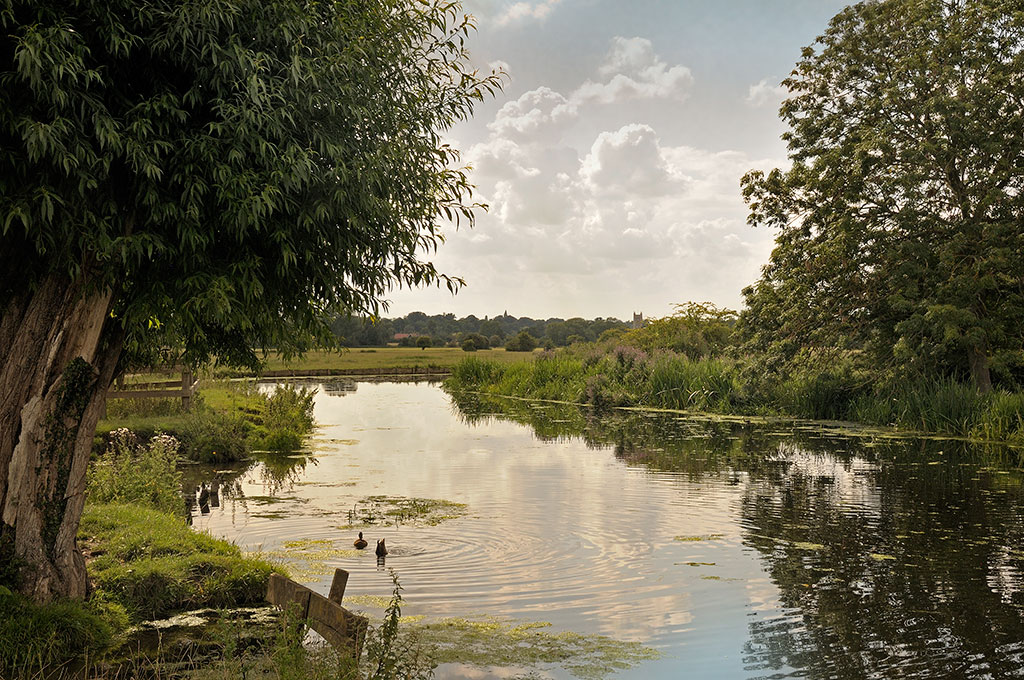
(638, 320)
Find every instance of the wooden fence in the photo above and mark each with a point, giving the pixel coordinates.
(340, 627)
(164, 389)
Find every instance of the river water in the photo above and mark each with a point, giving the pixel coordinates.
(736, 549)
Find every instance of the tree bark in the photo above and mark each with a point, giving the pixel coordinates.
(978, 361)
(60, 351)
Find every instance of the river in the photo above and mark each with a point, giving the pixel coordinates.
(735, 549)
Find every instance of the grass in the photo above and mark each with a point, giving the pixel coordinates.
(50, 635)
(153, 564)
(370, 358)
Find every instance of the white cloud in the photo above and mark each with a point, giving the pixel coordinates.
(628, 161)
(589, 211)
(634, 71)
(531, 113)
(525, 11)
(765, 94)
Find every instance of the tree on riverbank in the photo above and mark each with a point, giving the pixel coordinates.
(900, 219)
(221, 177)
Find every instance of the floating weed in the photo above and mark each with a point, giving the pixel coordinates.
(879, 557)
(804, 545)
(705, 537)
(307, 543)
(309, 557)
(708, 577)
(400, 509)
(491, 643)
(375, 601)
(696, 564)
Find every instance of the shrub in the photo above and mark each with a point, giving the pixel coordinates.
(211, 437)
(522, 342)
(130, 472)
(468, 345)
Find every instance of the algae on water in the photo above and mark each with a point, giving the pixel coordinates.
(493, 643)
(306, 558)
(375, 510)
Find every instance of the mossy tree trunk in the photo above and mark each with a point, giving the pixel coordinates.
(61, 351)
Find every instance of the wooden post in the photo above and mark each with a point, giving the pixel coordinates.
(338, 586)
(186, 389)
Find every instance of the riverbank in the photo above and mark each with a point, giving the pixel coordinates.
(629, 377)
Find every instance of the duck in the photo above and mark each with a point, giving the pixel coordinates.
(360, 542)
(382, 549)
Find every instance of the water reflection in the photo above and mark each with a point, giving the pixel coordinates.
(892, 558)
(740, 549)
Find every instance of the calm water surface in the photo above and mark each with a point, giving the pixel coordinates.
(820, 554)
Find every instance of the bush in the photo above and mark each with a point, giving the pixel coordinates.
(287, 414)
(522, 342)
(468, 345)
(281, 441)
(211, 437)
(130, 472)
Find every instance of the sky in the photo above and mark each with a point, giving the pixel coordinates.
(611, 162)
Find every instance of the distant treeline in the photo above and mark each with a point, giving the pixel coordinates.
(446, 330)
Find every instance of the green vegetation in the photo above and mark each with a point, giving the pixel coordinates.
(899, 218)
(376, 359)
(130, 472)
(837, 389)
(228, 420)
(445, 330)
(205, 183)
(44, 637)
(153, 564)
(144, 562)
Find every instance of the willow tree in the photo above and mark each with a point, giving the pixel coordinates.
(213, 176)
(900, 217)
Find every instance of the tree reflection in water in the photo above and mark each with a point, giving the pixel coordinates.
(205, 487)
(892, 557)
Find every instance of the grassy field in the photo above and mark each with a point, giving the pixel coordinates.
(389, 357)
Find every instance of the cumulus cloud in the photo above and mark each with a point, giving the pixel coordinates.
(631, 70)
(634, 71)
(587, 210)
(628, 161)
(525, 11)
(764, 93)
(531, 113)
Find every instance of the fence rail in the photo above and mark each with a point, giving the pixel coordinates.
(340, 627)
(184, 388)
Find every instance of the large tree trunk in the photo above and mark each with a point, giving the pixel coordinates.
(59, 352)
(978, 361)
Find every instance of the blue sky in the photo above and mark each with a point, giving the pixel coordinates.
(611, 162)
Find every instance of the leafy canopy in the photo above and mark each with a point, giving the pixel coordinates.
(900, 218)
(235, 170)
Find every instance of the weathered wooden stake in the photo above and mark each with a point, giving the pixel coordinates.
(186, 390)
(338, 586)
